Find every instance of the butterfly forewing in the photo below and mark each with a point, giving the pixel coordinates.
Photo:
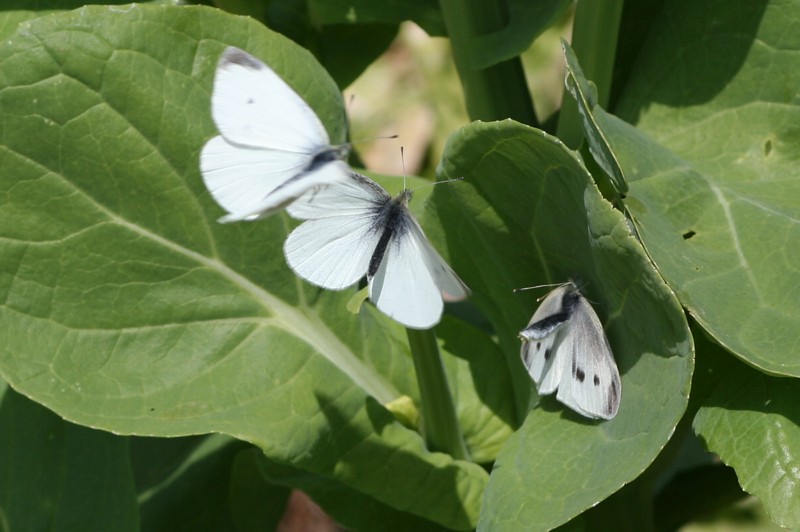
(403, 288)
(539, 341)
(333, 248)
(357, 196)
(252, 106)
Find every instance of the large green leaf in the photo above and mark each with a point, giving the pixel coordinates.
(13, 12)
(752, 421)
(713, 169)
(60, 476)
(528, 213)
(125, 306)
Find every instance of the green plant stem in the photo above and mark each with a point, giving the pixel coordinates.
(493, 93)
(439, 422)
(594, 40)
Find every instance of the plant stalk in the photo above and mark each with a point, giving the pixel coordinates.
(439, 422)
(493, 93)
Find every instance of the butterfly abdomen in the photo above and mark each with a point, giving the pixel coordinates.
(394, 219)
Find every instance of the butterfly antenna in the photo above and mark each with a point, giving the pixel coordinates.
(537, 286)
(448, 181)
(403, 162)
(350, 101)
(379, 137)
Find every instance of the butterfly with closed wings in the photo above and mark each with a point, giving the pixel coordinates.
(355, 228)
(272, 147)
(564, 347)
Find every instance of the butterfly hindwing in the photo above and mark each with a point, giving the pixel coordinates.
(591, 386)
(403, 287)
(452, 288)
(250, 184)
(540, 341)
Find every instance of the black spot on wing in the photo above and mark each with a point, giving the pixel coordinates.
(613, 398)
(548, 353)
(578, 372)
(596, 380)
(526, 357)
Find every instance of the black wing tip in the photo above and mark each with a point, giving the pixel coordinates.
(236, 56)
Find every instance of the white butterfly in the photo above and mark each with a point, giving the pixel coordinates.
(272, 148)
(354, 228)
(564, 347)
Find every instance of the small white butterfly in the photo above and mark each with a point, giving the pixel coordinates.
(355, 228)
(564, 347)
(272, 147)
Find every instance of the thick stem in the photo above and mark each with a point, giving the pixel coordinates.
(439, 422)
(493, 93)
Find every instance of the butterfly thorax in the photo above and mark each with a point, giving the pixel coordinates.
(327, 155)
(544, 327)
(392, 218)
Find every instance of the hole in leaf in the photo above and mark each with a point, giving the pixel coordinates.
(688, 234)
(767, 147)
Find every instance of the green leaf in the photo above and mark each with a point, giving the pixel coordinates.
(345, 50)
(528, 213)
(183, 483)
(125, 306)
(585, 95)
(14, 12)
(713, 170)
(526, 21)
(752, 422)
(60, 476)
(256, 504)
